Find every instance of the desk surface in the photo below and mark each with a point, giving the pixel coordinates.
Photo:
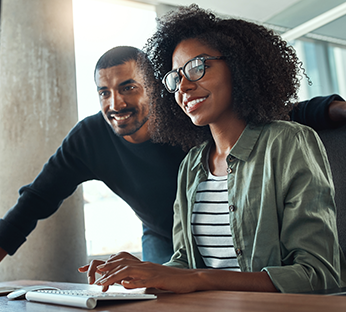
(199, 301)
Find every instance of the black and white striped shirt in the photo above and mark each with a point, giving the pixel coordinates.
(211, 226)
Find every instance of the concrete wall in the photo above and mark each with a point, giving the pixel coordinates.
(38, 106)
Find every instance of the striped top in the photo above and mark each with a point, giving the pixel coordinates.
(210, 224)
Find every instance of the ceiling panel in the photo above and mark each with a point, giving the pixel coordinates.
(305, 10)
(249, 9)
(282, 13)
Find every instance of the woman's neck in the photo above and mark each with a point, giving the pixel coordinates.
(225, 136)
(224, 139)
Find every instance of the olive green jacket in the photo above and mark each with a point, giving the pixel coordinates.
(282, 211)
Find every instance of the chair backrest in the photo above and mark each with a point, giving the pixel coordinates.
(335, 143)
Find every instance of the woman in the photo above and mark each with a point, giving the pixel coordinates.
(254, 208)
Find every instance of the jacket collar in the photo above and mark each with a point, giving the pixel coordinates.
(241, 149)
(246, 142)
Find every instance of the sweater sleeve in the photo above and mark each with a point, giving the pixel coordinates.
(58, 179)
(314, 112)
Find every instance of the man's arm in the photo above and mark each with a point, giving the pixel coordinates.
(322, 112)
(59, 178)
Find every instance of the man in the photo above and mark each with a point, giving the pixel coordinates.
(114, 146)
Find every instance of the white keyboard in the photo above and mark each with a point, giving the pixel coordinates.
(82, 298)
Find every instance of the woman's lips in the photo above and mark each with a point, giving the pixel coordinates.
(191, 105)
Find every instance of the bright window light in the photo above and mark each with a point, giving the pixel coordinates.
(99, 25)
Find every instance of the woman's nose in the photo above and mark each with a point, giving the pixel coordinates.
(185, 84)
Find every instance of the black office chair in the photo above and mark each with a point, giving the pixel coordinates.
(335, 143)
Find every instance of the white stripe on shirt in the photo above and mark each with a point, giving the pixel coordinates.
(210, 224)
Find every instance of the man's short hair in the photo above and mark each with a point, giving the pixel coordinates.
(117, 56)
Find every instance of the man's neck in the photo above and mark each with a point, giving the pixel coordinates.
(139, 136)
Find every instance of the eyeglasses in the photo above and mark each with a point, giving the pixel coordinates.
(193, 70)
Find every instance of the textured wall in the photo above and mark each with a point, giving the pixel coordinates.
(38, 106)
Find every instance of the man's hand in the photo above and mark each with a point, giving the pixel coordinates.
(3, 254)
(337, 112)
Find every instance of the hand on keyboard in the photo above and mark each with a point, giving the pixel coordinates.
(102, 267)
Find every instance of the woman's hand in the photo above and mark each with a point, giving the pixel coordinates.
(130, 272)
(92, 268)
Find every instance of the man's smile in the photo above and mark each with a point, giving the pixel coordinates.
(120, 116)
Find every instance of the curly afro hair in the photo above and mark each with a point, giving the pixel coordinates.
(264, 72)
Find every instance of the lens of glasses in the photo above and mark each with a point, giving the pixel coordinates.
(194, 69)
(172, 81)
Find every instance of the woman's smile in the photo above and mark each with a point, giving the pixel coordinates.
(192, 104)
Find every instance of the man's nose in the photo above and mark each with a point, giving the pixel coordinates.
(117, 102)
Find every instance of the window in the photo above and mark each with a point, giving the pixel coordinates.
(324, 64)
(100, 25)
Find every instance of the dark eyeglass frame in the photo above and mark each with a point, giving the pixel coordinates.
(202, 58)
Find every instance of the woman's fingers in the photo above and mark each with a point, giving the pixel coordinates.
(91, 270)
(122, 255)
(144, 274)
(83, 268)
